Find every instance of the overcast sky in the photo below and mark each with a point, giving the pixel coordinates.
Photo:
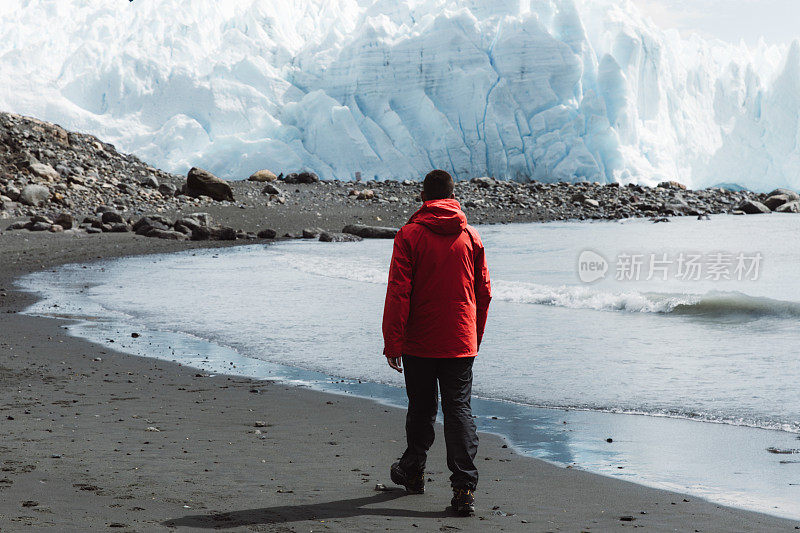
(778, 21)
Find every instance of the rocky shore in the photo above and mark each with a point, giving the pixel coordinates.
(55, 180)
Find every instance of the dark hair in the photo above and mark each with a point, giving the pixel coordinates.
(438, 184)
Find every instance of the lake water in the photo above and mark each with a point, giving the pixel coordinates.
(694, 323)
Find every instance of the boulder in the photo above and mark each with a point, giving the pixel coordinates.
(167, 189)
(12, 192)
(591, 202)
(223, 234)
(146, 224)
(672, 185)
(311, 233)
(116, 227)
(303, 177)
(262, 176)
(44, 171)
(753, 207)
(774, 202)
(55, 228)
(793, 196)
(789, 207)
(326, 236)
(204, 219)
(483, 182)
(203, 183)
(676, 206)
(34, 195)
(39, 226)
(370, 232)
(65, 220)
(112, 217)
(149, 181)
(578, 197)
(267, 234)
(270, 189)
(167, 234)
(205, 233)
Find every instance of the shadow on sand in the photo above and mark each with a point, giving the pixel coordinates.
(297, 513)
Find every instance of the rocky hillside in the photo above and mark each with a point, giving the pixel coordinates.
(63, 180)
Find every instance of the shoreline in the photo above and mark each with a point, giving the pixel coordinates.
(643, 450)
(92, 482)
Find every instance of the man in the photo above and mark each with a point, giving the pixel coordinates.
(433, 322)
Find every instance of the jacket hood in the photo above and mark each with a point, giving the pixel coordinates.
(441, 216)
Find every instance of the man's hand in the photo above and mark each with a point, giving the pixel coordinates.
(396, 363)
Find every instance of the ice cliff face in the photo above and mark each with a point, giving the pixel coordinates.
(548, 89)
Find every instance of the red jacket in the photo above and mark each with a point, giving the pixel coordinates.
(439, 290)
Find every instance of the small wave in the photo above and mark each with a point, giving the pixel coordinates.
(713, 304)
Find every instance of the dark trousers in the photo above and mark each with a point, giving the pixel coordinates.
(454, 379)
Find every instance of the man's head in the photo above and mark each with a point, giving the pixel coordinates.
(438, 184)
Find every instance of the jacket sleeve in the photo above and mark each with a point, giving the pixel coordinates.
(398, 297)
(483, 291)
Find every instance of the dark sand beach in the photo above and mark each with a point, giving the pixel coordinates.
(77, 455)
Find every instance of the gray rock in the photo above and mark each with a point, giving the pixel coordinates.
(484, 182)
(578, 197)
(774, 202)
(270, 189)
(116, 227)
(672, 185)
(44, 171)
(39, 226)
(303, 177)
(205, 233)
(111, 217)
(223, 234)
(267, 234)
(370, 232)
(326, 236)
(789, 207)
(34, 195)
(753, 207)
(311, 233)
(65, 220)
(146, 224)
(793, 196)
(167, 189)
(167, 234)
(204, 219)
(187, 225)
(41, 218)
(55, 228)
(591, 202)
(200, 182)
(12, 192)
(150, 181)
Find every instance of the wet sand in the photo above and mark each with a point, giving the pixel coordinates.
(76, 453)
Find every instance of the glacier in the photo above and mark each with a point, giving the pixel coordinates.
(552, 90)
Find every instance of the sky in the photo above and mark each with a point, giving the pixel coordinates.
(778, 21)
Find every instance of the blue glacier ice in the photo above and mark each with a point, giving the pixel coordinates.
(546, 89)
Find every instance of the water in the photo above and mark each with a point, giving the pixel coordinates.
(556, 350)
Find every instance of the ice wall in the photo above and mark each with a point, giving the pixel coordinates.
(547, 89)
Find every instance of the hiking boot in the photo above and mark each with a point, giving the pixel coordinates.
(413, 484)
(463, 501)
